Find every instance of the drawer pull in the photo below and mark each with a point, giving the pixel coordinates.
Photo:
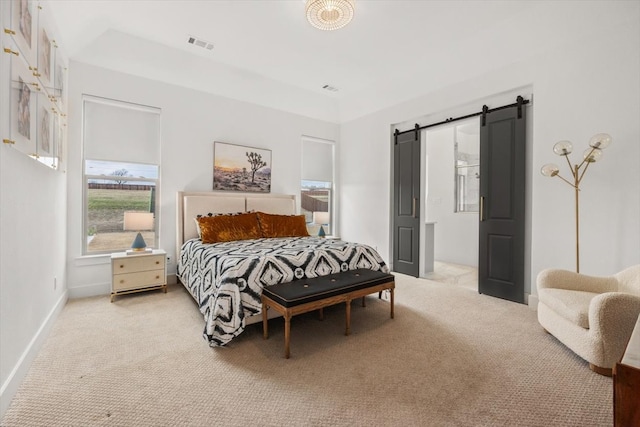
(157, 277)
(122, 281)
(157, 262)
(121, 266)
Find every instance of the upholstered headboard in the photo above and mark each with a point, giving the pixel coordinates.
(191, 204)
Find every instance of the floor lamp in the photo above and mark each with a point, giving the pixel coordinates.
(591, 155)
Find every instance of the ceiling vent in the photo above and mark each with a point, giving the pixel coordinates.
(200, 43)
(330, 88)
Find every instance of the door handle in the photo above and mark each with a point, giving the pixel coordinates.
(413, 208)
(481, 208)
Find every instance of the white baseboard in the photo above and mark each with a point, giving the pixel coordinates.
(92, 290)
(98, 289)
(532, 300)
(17, 375)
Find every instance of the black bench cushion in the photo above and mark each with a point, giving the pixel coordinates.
(302, 291)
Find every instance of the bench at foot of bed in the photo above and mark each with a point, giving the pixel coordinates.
(302, 296)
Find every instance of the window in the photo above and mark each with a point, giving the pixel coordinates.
(121, 174)
(316, 195)
(467, 167)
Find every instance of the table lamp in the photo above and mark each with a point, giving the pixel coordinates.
(321, 218)
(138, 221)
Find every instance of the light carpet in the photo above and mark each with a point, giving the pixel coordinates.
(451, 357)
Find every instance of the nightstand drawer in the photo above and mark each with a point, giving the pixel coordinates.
(138, 280)
(137, 273)
(135, 263)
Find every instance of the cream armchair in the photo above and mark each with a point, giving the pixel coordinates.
(593, 316)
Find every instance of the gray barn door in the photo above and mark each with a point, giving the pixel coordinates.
(502, 198)
(406, 206)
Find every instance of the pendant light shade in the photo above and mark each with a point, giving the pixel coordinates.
(329, 15)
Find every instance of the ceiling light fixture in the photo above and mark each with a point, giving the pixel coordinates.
(329, 15)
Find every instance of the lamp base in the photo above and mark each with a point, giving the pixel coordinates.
(139, 251)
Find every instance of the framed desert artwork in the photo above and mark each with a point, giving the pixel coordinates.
(241, 168)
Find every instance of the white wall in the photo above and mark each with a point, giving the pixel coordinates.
(32, 241)
(191, 121)
(456, 233)
(579, 89)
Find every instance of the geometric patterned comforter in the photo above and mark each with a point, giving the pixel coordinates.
(226, 279)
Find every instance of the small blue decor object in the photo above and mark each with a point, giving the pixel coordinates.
(321, 232)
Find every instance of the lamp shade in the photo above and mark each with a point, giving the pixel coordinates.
(592, 155)
(563, 148)
(321, 218)
(600, 140)
(550, 170)
(137, 221)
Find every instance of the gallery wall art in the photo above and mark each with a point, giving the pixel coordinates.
(38, 87)
(241, 168)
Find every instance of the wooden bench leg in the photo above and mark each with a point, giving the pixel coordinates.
(265, 322)
(348, 326)
(321, 313)
(287, 334)
(391, 301)
(364, 304)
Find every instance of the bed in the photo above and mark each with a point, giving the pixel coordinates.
(226, 278)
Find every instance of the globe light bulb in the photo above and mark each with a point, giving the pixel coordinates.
(563, 148)
(592, 155)
(550, 170)
(600, 140)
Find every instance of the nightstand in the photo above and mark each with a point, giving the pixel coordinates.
(137, 273)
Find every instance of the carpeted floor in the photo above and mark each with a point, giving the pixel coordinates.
(451, 357)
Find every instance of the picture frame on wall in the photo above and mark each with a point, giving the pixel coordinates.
(241, 168)
(60, 80)
(44, 57)
(24, 28)
(44, 131)
(60, 143)
(24, 90)
(45, 145)
(55, 139)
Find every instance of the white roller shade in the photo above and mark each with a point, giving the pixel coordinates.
(317, 160)
(119, 131)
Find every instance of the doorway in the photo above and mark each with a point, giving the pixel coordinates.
(489, 163)
(451, 176)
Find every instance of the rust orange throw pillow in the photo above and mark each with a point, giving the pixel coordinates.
(225, 228)
(282, 225)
